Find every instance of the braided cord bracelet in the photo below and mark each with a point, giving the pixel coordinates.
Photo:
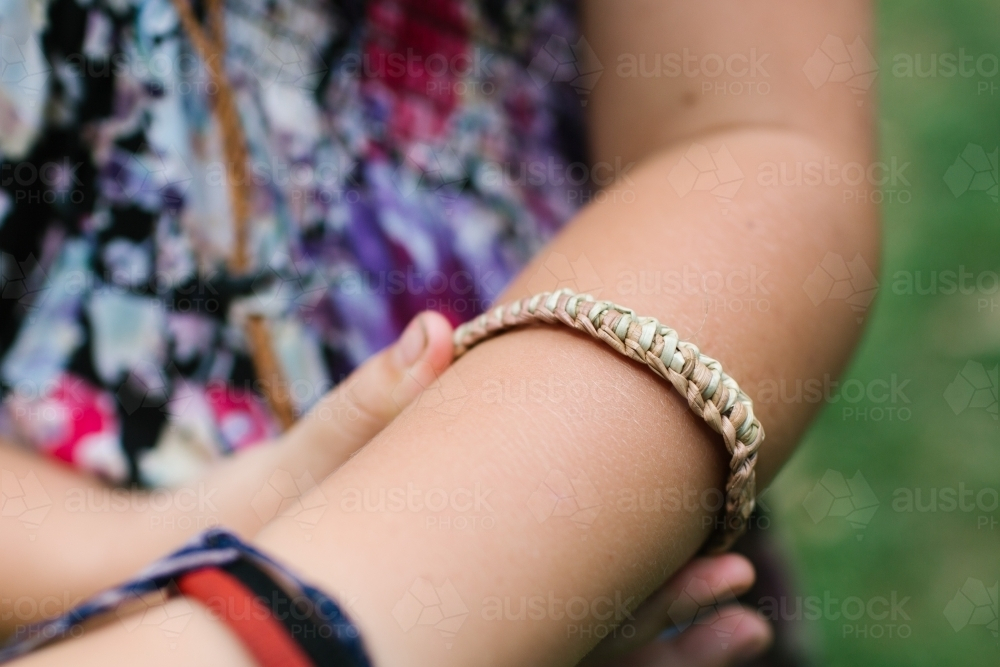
(710, 392)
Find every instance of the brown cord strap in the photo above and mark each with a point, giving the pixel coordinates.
(710, 392)
(211, 46)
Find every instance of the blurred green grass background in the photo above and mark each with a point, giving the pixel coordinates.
(927, 556)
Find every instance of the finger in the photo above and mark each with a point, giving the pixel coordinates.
(437, 356)
(701, 583)
(377, 391)
(729, 636)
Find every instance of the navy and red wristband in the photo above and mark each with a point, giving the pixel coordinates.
(281, 620)
(277, 629)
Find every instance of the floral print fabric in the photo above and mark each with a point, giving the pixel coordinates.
(390, 142)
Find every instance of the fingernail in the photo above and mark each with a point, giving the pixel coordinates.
(757, 643)
(411, 344)
(756, 646)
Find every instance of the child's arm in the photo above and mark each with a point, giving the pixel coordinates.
(92, 536)
(607, 419)
(623, 429)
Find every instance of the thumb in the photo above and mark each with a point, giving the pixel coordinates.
(363, 404)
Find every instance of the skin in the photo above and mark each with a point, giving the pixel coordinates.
(628, 431)
(34, 570)
(373, 396)
(74, 552)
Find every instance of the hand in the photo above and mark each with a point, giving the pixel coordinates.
(695, 610)
(339, 425)
(363, 404)
(74, 553)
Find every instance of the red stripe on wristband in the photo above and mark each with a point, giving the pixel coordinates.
(267, 640)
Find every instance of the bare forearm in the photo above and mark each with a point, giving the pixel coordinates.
(74, 535)
(615, 430)
(623, 432)
(71, 535)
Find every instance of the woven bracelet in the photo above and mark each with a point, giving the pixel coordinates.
(710, 392)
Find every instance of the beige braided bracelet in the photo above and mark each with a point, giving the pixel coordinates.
(710, 392)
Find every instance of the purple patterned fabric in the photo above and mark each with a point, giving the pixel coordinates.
(395, 148)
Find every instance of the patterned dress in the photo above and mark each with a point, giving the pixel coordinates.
(405, 154)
